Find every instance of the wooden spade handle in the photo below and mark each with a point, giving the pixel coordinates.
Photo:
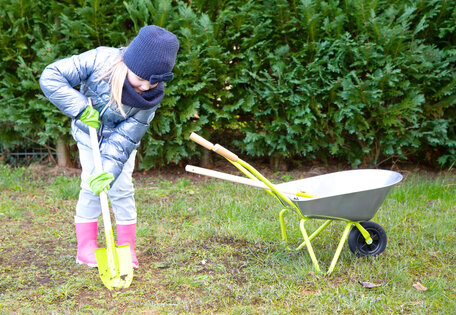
(99, 168)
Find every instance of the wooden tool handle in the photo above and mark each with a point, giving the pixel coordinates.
(216, 148)
(225, 153)
(98, 169)
(237, 179)
(225, 176)
(201, 141)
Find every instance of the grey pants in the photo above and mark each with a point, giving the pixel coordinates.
(121, 194)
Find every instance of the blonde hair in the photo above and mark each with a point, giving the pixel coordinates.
(116, 78)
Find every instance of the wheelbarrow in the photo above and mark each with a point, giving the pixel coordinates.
(352, 196)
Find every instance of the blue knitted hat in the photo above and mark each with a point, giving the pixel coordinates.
(152, 54)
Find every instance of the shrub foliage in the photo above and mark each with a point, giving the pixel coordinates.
(358, 81)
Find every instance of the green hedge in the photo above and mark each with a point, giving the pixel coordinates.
(362, 82)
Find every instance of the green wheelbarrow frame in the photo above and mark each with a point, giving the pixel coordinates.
(288, 205)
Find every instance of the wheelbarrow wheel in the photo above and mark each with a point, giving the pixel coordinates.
(358, 245)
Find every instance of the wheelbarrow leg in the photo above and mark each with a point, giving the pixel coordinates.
(283, 229)
(341, 245)
(309, 246)
(315, 234)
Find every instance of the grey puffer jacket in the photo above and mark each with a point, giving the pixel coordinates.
(118, 135)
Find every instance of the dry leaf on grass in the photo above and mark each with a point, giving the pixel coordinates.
(419, 287)
(369, 285)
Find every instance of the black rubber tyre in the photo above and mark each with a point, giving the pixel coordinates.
(358, 245)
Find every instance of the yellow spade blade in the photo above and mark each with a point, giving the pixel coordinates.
(121, 274)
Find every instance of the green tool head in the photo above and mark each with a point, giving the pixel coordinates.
(119, 273)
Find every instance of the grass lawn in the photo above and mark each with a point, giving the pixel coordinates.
(209, 246)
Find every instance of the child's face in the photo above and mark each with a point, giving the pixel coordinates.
(138, 84)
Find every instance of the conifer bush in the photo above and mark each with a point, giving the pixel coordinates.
(361, 82)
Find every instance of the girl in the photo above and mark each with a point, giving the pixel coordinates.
(125, 86)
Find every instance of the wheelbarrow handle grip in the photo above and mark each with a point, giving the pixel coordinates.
(216, 148)
(225, 176)
(201, 141)
(239, 179)
(225, 153)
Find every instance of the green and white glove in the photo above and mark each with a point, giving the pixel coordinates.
(90, 117)
(100, 182)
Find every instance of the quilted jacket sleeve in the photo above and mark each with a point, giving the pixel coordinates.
(59, 79)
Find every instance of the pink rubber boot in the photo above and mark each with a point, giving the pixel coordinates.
(86, 235)
(126, 234)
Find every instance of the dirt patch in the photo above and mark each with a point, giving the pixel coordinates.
(174, 173)
(48, 170)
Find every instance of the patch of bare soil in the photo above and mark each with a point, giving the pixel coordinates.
(45, 170)
(175, 172)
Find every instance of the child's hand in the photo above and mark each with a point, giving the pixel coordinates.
(100, 182)
(90, 117)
